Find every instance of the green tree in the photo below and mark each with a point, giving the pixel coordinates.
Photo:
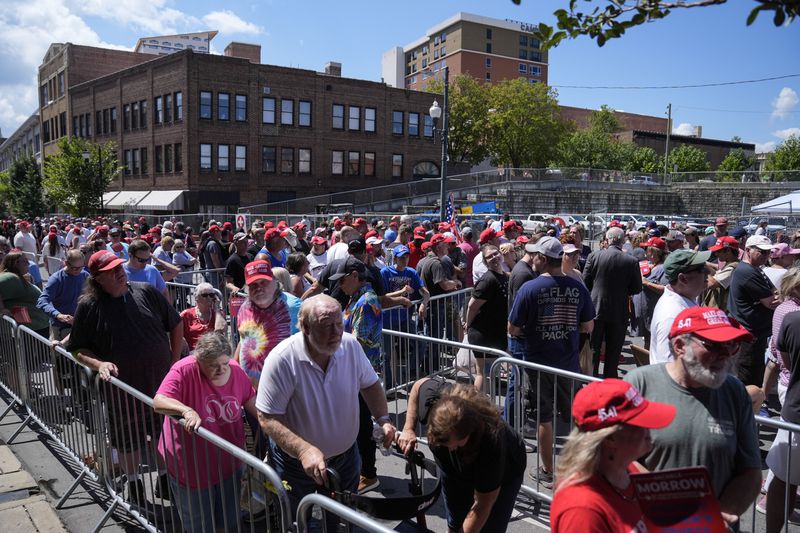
(4, 193)
(603, 120)
(786, 156)
(25, 187)
(611, 21)
(644, 159)
(736, 161)
(596, 146)
(468, 104)
(525, 124)
(76, 183)
(688, 159)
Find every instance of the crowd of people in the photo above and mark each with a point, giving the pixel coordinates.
(308, 366)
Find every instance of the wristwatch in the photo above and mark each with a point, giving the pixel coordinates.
(383, 420)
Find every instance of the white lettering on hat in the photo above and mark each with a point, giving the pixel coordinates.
(604, 413)
(684, 323)
(634, 397)
(715, 318)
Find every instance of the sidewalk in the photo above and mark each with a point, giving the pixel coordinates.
(22, 506)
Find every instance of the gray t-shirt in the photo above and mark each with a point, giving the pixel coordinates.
(714, 428)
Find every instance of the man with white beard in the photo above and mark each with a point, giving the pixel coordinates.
(714, 426)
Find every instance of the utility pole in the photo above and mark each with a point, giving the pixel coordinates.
(666, 148)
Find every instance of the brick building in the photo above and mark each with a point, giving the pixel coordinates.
(230, 131)
(716, 150)
(487, 49)
(26, 140)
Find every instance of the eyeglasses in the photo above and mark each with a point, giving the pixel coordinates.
(727, 348)
(142, 260)
(207, 295)
(73, 267)
(491, 256)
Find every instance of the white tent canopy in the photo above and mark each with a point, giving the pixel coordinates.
(162, 201)
(788, 204)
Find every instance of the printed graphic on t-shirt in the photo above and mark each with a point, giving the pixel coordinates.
(225, 409)
(558, 312)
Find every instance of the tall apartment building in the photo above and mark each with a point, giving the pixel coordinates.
(66, 65)
(199, 42)
(26, 140)
(488, 49)
(230, 131)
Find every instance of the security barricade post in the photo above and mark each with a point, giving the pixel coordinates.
(351, 516)
(11, 374)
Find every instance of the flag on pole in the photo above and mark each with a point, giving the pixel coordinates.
(450, 217)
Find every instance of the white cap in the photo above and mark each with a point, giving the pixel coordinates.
(548, 246)
(759, 241)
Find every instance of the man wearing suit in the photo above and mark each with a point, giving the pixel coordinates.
(612, 276)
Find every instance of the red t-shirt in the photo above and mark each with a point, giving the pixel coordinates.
(415, 254)
(194, 328)
(595, 507)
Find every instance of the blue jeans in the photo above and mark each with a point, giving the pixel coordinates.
(210, 509)
(518, 348)
(289, 469)
(459, 498)
(399, 352)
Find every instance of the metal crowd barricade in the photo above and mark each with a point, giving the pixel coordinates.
(138, 457)
(11, 374)
(445, 313)
(214, 276)
(351, 516)
(181, 295)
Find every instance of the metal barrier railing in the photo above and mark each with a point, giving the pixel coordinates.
(11, 375)
(351, 516)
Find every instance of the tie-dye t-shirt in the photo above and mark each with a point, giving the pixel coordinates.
(362, 318)
(260, 330)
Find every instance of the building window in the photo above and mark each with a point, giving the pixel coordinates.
(98, 123)
(223, 160)
(241, 108)
(178, 157)
(135, 116)
(62, 123)
(534, 70)
(287, 112)
(338, 117)
(369, 164)
(126, 117)
(435, 55)
(337, 162)
(443, 52)
(304, 161)
(268, 159)
(523, 40)
(397, 165)
(523, 54)
(167, 108)
(354, 118)
(287, 160)
(126, 154)
(535, 56)
(353, 163)
(205, 157)
(268, 110)
(397, 122)
(488, 76)
(488, 33)
(113, 121)
(413, 124)
(488, 48)
(223, 106)
(425, 50)
(135, 158)
(160, 159)
(158, 112)
(304, 114)
(427, 129)
(205, 104)
(535, 43)
(488, 62)
(106, 127)
(444, 36)
(142, 114)
(88, 119)
(523, 68)
(60, 84)
(167, 158)
(241, 158)
(369, 119)
(178, 106)
(144, 161)
(436, 41)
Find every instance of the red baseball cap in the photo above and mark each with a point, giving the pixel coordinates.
(419, 231)
(721, 221)
(426, 245)
(724, 242)
(443, 226)
(606, 403)
(24, 224)
(510, 224)
(371, 233)
(282, 224)
(274, 233)
(317, 239)
(103, 261)
(360, 222)
(522, 239)
(213, 228)
(269, 224)
(489, 234)
(227, 225)
(655, 242)
(710, 323)
(257, 270)
(440, 238)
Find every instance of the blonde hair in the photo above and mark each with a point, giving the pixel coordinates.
(790, 283)
(580, 458)
(283, 277)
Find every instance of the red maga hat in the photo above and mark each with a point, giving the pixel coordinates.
(606, 403)
(709, 323)
(103, 261)
(256, 270)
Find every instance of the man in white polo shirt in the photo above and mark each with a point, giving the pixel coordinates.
(308, 401)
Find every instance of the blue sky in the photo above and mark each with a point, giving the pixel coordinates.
(702, 45)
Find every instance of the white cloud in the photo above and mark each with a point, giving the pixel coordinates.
(151, 16)
(785, 103)
(684, 128)
(788, 132)
(228, 22)
(768, 146)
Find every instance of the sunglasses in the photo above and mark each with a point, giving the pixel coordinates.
(728, 348)
(207, 295)
(142, 260)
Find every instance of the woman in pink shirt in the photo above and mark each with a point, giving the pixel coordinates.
(210, 390)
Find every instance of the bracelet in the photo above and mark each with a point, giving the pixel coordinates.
(383, 419)
(183, 414)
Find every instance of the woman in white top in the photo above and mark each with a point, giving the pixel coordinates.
(53, 253)
(182, 259)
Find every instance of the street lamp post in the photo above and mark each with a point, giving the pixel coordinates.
(436, 113)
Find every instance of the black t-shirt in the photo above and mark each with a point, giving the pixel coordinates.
(130, 331)
(521, 273)
(234, 268)
(500, 460)
(492, 318)
(432, 272)
(748, 286)
(303, 246)
(212, 247)
(789, 342)
(332, 287)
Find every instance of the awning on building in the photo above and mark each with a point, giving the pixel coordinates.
(162, 201)
(107, 197)
(127, 199)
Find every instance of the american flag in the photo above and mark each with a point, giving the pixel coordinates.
(450, 217)
(558, 314)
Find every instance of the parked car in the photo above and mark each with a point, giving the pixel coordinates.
(643, 180)
(774, 224)
(534, 222)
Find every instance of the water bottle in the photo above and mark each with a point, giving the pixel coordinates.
(378, 435)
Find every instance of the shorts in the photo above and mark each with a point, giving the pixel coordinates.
(543, 386)
(778, 457)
